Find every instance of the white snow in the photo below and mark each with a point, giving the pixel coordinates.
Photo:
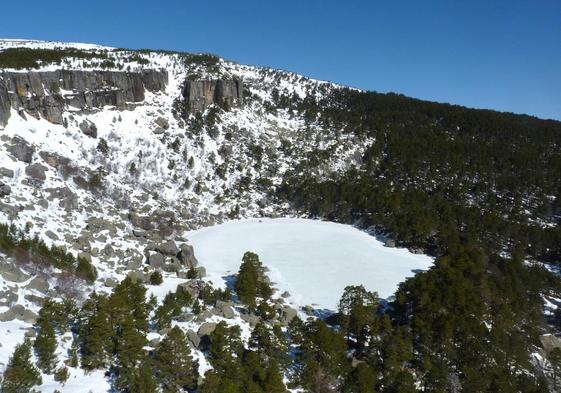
(313, 260)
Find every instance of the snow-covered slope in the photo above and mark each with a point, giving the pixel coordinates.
(149, 174)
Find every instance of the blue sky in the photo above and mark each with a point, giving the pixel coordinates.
(497, 54)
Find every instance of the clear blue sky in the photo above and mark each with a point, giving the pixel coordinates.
(497, 54)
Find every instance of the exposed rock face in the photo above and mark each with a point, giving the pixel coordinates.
(21, 150)
(48, 93)
(199, 94)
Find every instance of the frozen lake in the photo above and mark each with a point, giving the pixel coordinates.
(313, 260)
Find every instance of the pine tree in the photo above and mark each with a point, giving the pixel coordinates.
(96, 337)
(142, 380)
(173, 364)
(21, 375)
(86, 270)
(273, 380)
(247, 282)
(252, 281)
(129, 349)
(61, 375)
(45, 346)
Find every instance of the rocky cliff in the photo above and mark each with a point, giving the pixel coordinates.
(199, 94)
(49, 93)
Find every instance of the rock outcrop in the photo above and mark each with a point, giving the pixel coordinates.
(199, 94)
(48, 93)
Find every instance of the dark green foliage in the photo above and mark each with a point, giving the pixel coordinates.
(85, 270)
(156, 278)
(102, 146)
(62, 374)
(142, 380)
(24, 250)
(323, 355)
(32, 58)
(20, 375)
(252, 281)
(171, 308)
(358, 309)
(95, 333)
(173, 364)
(45, 346)
(437, 171)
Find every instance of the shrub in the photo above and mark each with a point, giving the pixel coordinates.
(156, 278)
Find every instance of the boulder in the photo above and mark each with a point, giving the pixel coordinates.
(252, 319)
(39, 284)
(5, 172)
(187, 256)
(193, 338)
(20, 313)
(206, 328)
(136, 276)
(110, 282)
(5, 189)
(36, 171)
(21, 150)
(162, 123)
(139, 233)
(389, 243)
(224, 309)
(287, 314)
(88, 128)
(156, 260)
(167, 248)
(192, 287)
(7, 298)
(11, 272)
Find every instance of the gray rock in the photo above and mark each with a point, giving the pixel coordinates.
(139, 233)
(40, 93)
(108, 250)
(192, 287)
(287, 314)
(136, 276)
(21, 150)
(193, 338)
(11, 272)
(167, 248)
(39, 284)
(88, 128)
(8, 298)
(187, 256)
(5, 190)
(110, 282)
(224, 309)
(390, 243)
(51, 235)
(5, 172)
(162, 123)
(199, 94)
(156, 260)
(252, 319)
(201, 271)
(206, 328)
(36, 171)
(20, 313)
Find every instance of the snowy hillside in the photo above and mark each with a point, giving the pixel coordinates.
(121, 186)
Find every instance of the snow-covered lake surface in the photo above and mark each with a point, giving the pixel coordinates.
(313, 260)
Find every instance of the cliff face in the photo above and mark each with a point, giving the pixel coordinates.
(49, 93)
(201, 93)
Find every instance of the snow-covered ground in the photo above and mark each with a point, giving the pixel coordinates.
(313, 260)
